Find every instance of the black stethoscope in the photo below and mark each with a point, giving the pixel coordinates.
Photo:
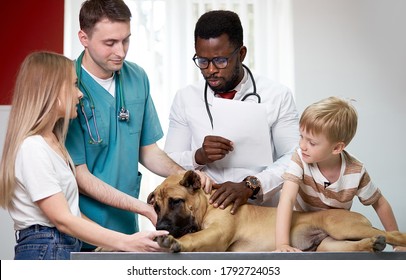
(254, 93)
(123, 115)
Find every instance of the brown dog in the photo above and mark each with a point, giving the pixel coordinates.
(196, 226)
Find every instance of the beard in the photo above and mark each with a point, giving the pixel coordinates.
(231, 83)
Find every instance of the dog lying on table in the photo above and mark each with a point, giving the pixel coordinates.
(196, 226)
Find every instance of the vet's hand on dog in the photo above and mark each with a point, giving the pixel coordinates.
(230, 192)
(213, 148)
(206, 182)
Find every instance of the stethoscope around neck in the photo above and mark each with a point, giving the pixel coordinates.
(254, 93)
(123, 115)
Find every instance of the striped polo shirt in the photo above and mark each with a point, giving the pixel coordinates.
(315, 193)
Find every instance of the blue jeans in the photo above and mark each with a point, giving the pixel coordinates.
(44, 243)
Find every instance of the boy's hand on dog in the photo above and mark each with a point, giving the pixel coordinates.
(213, 148)
(287, 249)
(230, 192)
(399, 249)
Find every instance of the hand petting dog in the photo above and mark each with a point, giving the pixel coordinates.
(228, 193)
(215, 148)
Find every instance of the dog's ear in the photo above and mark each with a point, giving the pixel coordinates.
(151, 198)
(191, 180)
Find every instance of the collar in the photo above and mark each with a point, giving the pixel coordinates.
(240, 88)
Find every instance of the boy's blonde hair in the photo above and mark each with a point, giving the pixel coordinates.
(333, 117)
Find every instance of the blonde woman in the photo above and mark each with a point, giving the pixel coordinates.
(37, 176)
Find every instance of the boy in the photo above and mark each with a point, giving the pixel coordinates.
(322, 175)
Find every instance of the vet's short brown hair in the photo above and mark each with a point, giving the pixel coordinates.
(334, 117)
(93, 11)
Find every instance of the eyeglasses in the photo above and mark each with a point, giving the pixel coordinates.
(220, 62)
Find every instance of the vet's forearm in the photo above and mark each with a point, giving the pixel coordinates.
(158, 162)
(95, 188)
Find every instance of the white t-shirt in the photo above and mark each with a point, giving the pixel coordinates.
(41, 172)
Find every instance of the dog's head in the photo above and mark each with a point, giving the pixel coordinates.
(180, 204)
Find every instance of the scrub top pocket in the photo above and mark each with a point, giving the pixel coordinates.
(136, 108)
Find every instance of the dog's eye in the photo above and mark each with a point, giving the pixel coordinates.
(175, 202)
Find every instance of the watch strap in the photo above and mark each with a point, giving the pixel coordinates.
(254, 184)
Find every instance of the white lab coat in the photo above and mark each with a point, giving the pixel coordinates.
(189, 124)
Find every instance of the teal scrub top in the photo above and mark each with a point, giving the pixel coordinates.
(115, 159)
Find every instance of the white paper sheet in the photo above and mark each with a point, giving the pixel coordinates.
(245, 124)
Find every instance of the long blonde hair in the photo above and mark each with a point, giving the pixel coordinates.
(41, 78)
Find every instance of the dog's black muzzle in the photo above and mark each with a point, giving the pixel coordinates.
(177, 226)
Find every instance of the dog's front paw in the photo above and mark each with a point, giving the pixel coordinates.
(169, 242)
(379, 243)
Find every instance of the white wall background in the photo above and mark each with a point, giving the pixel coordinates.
(357, 49)
(7, 239)
(350, 48)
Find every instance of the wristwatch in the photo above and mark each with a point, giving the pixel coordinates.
(254, 184)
